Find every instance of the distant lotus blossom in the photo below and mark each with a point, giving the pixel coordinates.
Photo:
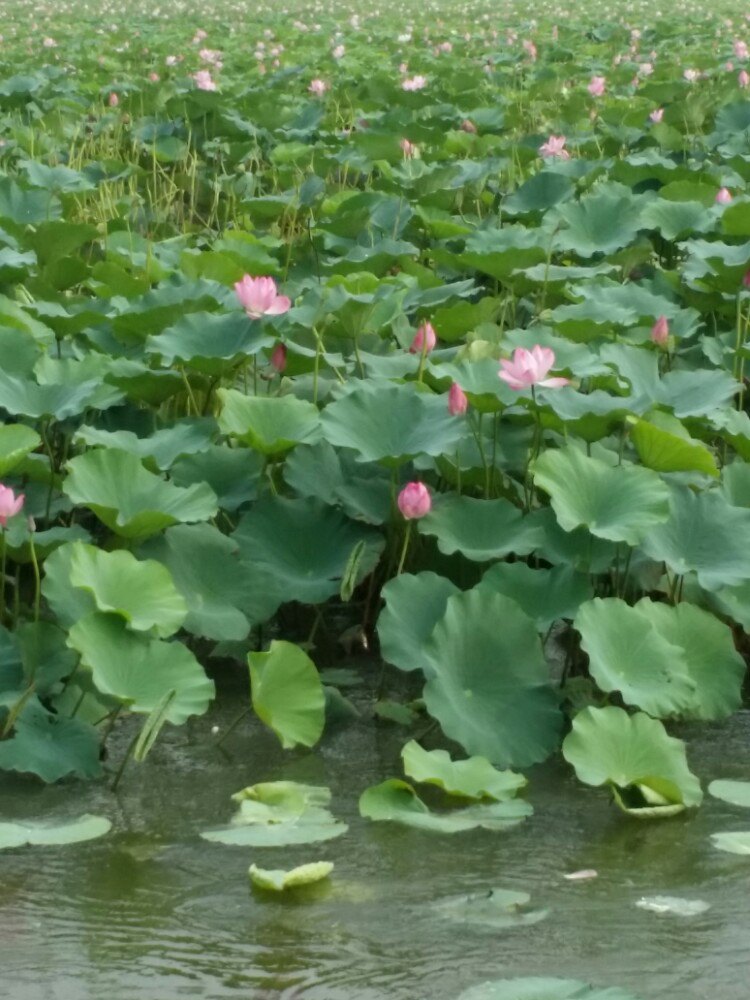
(318, 87)
(529, 368)
(408, 149)
(660, 331)
(414, 501)
(657, 115)
(113, 100)
(199, 36)
(645, 69)
(154, 77)
(445, 47)
(457, 401)
(203, 80)
(49, 43)
(729, 66)
(740, 49)
(597, 86)
(743, 78)
(691, 75)
(468, 126)
(555, 146)
(259, 297)
(530, 49)
(414, 83)
(746, 279)
(723, 196)
(10, 504)
(171, 61)
(424, 339)
(338, 52)
(278, 358)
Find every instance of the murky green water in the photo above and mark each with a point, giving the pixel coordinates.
(153, 912)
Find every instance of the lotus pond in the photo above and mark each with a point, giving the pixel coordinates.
(375, 499)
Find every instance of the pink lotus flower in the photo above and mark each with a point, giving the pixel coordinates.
(723, 196)
(554, 146)
(424, 339)
(743, 78)
(414, 501)
(338, 52)
(113, 100)
(468, 126)
(746, 279)
(10, 504)
(530, 368)
(49, 43)
(259, 297)
(656, 115)
(154, 77)
(740, 49)
(318, 87)
(408, 149)
(203, 80)
(171, 61)
(530, 49)
(691, 75)
(278, 358)
(457, 401)
(445, 47)
(597, 86)
(660, 331)
(414, 83)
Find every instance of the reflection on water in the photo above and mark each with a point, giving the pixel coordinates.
(153, 912)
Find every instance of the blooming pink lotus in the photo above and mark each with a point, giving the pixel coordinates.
(740, 49)
(10, 504)
(597, 86)
(414, 501)
(259, 297)
(424, 339)
(408, 149)
(691, 75)
(529, 368)
(555, 146)
(414, 83)
(660, 331)
(338, 52)
(743, 79)
(203, 80)
(723, 196)
(457, 401)
(278, 358)
(318, 87)
(656, 115)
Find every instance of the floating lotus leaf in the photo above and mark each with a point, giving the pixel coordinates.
(733, 842)
(86, 827)
(496, 909)
(674, 905)
(474, 778)
(737, 793)
(278, 880)
(542, 989)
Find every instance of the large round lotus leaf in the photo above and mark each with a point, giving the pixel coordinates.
(132, 502)
(709, 654)
(609, 747)
(628, 653)
(163, 446)
(544, 594)
(488, 686)
(737, 793)
(396, 801)
(24, 397)
(216, 586)
(391, 423)
(138, 671)
(704, 534)
(542, 989)
(497, 909)
(480, 529)
(413, 606)
(199, 337)
(479, 379)
(474, 778)
(232, 473)
(16, 441)
(333, 476)
(601, 222)
(270, 424)
(68, 603)
(578, 549)
(278, 880)
(501, 251)
(734, 842)
(663, 444)
(142, 592)
(614, 502)
(73, 831)
(287, 694)
(304, 546)
(51, 746)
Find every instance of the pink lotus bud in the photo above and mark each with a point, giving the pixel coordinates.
(597, 86)
(278, 358)
(457, 401)
(468, 126)
(10, 504)
(660, 331)
(114, 100)
(408, 149)
(743, 78)
(154, 77)
(723, 196)
(414, 501)
(425, 335)
(746, 279)
(657, 115)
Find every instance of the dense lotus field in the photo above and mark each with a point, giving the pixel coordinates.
(418, 330)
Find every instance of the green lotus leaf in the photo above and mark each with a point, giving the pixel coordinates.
(333, 476)
(232, 473)
(629, 654)
(704, 534)
(16, 441)
(304, 546)
(270, 424)
(391, 423)
(86, 827)
(480, 529)
(201, 337)
(139, 671)
(601, 222)
(51, 746)
(132, 502)
(395, 801)
(163, 446)
(734, 842)
(24, 397)
(737, 793)
(614, 502)
(542, 191)
(488, 684)
(544, 594)
(287, 694)
(26, 206)
(542, 989)
(499, 252)
(634, 756)
(474, 778)
(278, 880)
(663, 444)
(413, 606)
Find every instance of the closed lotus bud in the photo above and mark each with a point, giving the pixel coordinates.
(746, 279)
(424, 339)
(660, 331)
(457, 401)
(468, 126)
(278, 358)
(414, 501)
(723, 196)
